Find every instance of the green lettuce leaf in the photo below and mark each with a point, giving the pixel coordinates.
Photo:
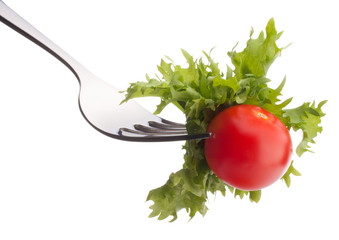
(259, 53)
(291, 170)
(179, 192)
(306, 118)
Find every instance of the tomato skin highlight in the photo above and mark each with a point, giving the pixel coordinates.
(249, 147)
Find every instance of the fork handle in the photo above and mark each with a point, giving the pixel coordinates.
(17, 23)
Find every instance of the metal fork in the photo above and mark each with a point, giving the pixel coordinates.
(98, 101)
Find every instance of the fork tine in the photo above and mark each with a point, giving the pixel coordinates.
(166, 126)
(174, 124)
(151, 133)
(135, 135)
(146, 129)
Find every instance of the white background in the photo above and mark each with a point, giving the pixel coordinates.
(60, 179)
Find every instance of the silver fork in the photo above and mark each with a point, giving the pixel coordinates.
(98, 101)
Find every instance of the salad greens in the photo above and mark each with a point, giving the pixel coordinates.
(201, 91)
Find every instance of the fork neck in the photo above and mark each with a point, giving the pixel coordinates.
(17, 23)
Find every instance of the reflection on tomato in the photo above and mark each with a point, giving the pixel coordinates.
(249, 148)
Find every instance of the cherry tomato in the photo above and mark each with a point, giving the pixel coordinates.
(249, 147)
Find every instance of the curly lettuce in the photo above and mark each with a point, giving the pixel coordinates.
(201, 91)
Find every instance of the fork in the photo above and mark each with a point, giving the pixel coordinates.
(98, 101)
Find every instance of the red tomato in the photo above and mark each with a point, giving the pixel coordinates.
(249, 148)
